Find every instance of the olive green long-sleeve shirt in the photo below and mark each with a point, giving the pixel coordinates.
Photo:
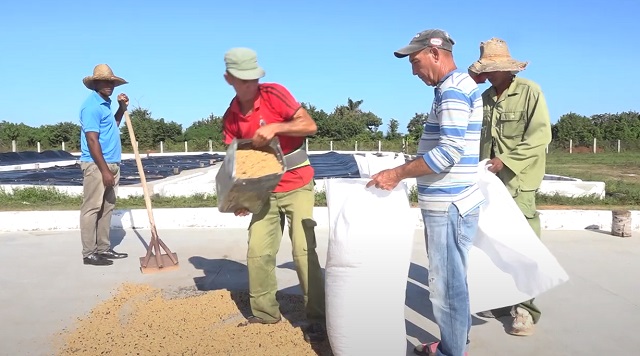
(516, 128)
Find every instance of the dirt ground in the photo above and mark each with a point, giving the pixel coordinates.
(255, 163)
(141, 320)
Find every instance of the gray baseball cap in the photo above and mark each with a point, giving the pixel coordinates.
(428, 38)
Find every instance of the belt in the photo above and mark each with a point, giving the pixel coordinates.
(297, 159)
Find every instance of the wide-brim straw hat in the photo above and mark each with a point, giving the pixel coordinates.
(102, 72)
(495, 57)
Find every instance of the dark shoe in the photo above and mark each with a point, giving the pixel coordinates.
(257, 320)
(96, 260)
(111, 254)
(314, 333)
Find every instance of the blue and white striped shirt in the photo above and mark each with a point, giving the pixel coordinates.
(450, 146)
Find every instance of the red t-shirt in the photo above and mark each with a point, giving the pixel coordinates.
(274, 105)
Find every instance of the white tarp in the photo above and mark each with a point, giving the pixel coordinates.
(508, 264)
(370, 164)
(368, 258)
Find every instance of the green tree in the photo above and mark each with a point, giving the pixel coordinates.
(623, 126)
(66, 132)
(321, 118)
(351, 122)
(148, 131)
(392, 132)
(34, 135)
(574, 127)
(208, 128)
(11, 131)
(415, 127)
(354, 105)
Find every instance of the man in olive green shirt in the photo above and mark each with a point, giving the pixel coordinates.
(515, 133)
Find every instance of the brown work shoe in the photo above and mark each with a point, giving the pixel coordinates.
(522, 323)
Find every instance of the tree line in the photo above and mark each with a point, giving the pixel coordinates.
(581, 130)
(347, 122)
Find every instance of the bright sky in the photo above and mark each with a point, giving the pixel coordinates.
(584, 54)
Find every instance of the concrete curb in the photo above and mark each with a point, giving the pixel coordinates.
(11, 221)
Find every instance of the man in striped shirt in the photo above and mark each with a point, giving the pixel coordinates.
(446, 172)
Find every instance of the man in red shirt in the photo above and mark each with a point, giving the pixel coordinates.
(261, 112)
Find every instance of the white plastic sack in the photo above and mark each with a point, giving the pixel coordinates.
(368, 258)
(508, 264)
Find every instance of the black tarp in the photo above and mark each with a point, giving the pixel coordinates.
(25, 157)
(331, 164)
(334, 165)
(155, 167)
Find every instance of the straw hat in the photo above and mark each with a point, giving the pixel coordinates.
(495, 57)
(102, 72)
(475, 67)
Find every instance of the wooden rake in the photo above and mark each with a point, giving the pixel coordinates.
(161, 261)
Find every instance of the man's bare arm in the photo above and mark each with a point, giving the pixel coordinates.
(119, 114)
(416, 168)
(123, 102)
(300, 125)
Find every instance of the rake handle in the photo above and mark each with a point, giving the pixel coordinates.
(143, 180)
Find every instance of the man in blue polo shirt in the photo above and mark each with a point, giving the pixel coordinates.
(100, 163)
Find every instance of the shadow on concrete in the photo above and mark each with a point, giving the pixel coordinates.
(506, 322)
(116, 236)
(224, 274)
(596, 228)
(118, 232)
(417, 299)
(288, 265)
(295, 289)
(220, 273)
(142, 240)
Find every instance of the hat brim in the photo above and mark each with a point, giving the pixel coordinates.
(251, 74)
(89, 81)
(409, 49)
(506, 65)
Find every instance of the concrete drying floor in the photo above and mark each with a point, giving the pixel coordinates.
(44, 287)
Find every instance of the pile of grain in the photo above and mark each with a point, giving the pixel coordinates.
(256, 163)
(141, 320)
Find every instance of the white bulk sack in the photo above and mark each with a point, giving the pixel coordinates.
(368, 258)
(508, 264)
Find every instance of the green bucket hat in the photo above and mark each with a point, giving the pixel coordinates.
(242, 63)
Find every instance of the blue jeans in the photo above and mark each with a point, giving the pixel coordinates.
(449, 238)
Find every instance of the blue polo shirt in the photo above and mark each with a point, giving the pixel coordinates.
(96, 116)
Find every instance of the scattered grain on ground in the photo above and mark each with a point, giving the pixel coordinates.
(255, 163)
(141, 320)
